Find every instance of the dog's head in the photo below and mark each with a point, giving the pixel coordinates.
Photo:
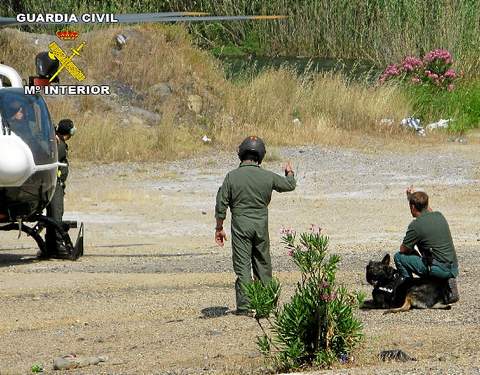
(380, 273)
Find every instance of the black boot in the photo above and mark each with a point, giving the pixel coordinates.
(451, 291)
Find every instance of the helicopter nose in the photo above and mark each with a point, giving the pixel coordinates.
(15, 161)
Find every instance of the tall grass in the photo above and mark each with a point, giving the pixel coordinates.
(378, 30)
(331, 110)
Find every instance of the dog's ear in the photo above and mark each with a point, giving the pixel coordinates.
(386, 260)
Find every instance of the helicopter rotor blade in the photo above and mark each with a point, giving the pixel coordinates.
(153, 17)
(148, 17)
(5, 21)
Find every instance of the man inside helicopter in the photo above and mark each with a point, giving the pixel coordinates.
(18, 122)
(26, 119)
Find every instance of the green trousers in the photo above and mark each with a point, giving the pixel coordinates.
(251, 252)
(409, 264)
(54, 241)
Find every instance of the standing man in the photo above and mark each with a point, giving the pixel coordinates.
(247, 190)
(55, 244)
(430, 233)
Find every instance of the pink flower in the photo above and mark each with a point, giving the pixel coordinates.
(450, 73)
(416, 80)
(328, 297)
(290, 253)
(287, 231)
(450, 87)
(315, 229)
(438, 54)
(411, 63)
(390, 72)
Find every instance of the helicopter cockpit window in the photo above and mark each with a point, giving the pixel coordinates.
(28, 117)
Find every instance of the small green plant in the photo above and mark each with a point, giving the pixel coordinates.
(318, 326)
(37, 368)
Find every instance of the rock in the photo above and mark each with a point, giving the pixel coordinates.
(195, 103)
(296, 122)
(133, 120)
(120, 41)
(395, 355)
(71, 361)
(161, 90)
(140, 116)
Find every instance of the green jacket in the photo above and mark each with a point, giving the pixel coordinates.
(247, 190)
(62, 158)
(431, 231)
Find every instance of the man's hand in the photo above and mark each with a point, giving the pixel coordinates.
(410, 191)
(288, 168)
(220, 237)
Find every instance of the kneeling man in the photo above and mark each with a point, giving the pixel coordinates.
(430, 233)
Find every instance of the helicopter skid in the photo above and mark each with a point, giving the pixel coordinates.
(71, 252)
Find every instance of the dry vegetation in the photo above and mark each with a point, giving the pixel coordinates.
(331, 109)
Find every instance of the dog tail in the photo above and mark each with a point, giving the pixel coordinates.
(407, 305)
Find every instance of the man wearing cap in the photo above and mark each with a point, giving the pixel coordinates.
(55, 245)
(247, 190)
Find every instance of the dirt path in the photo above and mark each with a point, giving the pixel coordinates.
(152, 290)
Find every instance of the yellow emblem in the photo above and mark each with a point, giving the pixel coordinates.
(66, 62)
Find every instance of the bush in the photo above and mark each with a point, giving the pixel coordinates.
(436, 91)
(461, 105)
(434, 69)
(318, 326)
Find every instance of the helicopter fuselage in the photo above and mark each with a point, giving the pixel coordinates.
(28, 155)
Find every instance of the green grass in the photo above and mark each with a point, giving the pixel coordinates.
(462, 105)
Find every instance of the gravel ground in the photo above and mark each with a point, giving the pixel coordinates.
(152, 291)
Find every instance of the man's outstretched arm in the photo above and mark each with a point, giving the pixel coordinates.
(287, 183)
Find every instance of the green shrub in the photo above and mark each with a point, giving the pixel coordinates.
(318, 326)
(462, 105)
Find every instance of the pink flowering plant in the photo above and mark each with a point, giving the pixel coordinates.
(434, 69)
(318, 326)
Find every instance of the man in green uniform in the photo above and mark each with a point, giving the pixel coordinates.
(430, 233)
(247, 190)
(55, 245)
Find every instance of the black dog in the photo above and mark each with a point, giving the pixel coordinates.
(390, 292)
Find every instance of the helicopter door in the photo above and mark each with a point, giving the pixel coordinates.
(27, 116)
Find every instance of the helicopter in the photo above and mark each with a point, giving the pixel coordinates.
(28, 147)
(28, 166)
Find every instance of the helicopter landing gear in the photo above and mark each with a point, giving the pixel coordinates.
(32, 232)
(71, 252)
(68, 250)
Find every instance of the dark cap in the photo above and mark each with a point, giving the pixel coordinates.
(66, 127)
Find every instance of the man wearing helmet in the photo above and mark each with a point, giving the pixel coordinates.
(247, 190)
(55, 246)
